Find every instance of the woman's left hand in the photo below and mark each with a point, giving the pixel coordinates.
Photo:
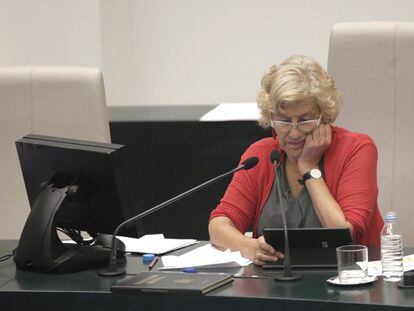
(315, 145)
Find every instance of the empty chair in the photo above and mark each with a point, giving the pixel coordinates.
(57, 101)
(373, 64)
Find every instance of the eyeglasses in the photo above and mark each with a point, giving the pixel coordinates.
(304, 126)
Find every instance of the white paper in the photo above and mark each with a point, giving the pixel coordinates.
(375, 267)
(154, 244)
(233, 112)
(205, 256)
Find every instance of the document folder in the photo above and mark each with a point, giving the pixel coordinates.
(173, 282)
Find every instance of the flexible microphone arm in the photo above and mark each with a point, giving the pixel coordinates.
(113, 270)
(287, 269)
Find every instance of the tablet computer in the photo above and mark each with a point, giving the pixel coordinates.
(310, 248)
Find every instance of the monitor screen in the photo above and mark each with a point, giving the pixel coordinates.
(72, 185)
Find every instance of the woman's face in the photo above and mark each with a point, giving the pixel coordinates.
(293, 140)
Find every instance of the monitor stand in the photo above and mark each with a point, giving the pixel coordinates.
(77, 258)
(40, 249)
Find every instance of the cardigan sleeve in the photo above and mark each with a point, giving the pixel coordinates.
(357, 189)
(240, 200)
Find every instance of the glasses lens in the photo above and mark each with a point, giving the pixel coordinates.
(305, 126)
(308, 126)
(283, 126)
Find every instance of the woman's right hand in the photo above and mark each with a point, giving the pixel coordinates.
(261, 252)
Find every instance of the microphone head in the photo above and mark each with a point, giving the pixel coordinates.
(250, 163)
(275, 156)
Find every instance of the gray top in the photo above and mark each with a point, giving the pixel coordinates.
(300, 212)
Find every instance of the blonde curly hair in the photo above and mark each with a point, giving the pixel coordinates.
(298, 79)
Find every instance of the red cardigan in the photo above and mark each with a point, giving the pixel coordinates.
(350, 172)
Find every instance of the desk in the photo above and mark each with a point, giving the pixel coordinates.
(21, 290)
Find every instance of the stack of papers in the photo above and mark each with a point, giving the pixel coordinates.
(154, 243)
(205, 256)
(375, 267)
(233, 112)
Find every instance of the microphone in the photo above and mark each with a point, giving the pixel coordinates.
(112, 269)
(287, 270)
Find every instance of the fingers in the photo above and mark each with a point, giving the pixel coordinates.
(280, 255)
(265, 253)
(318, 140)
(325, 135)
(258, 262)
(316, 144)
(265, 247)
(261, 258)
(321, 135)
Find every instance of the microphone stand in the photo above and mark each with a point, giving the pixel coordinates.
(287, 275)
(112, 269)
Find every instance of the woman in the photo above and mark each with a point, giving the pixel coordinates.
(328, 174)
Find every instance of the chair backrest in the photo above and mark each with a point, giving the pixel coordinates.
(57, 101)
(373, 65)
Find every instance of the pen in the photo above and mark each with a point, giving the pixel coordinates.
(153, 262)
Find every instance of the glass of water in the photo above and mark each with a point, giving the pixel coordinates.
(352, 263)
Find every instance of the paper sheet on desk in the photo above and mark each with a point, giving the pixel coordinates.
(233, 112)
(205, 256)
(375, 267)
(154, 243)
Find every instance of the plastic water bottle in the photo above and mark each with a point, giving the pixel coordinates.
(391, 249)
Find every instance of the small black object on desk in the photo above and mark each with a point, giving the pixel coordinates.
(408, 280)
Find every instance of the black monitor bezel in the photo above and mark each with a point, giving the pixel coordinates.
(116, 156)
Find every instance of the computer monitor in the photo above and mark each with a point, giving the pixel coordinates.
(75, 186)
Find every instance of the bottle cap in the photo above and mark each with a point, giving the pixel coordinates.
(391, 216)
(147, 258)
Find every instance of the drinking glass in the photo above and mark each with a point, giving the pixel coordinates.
(352, 263)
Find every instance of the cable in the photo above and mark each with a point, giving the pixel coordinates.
(74, 234)
(8, 256)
